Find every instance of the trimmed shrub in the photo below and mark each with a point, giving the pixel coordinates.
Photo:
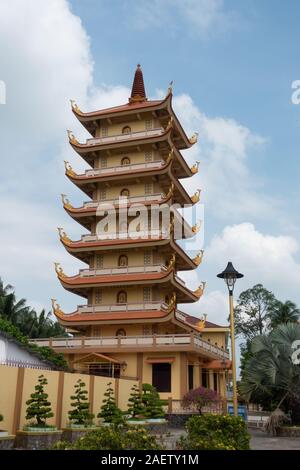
(110, 412)
(38, 405)
(80, 414)
(135, 403)
(152, 402)
(215, 432)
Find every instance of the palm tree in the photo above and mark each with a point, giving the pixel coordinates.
(284, 312)
(4, 290)
(11, 309)
(270, 370)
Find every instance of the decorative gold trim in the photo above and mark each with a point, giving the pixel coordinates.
(69, 169)
(201, 324)
(66, 202)
(59, 270)
(196, 227)
(62, 235)
(56, 308)
(195, 168)
(170, 123)
(171, 262)
(171, 226)
(194, 139)
(75, 107)
(196, 197)
(172, 302)
(171, 191)
(170, 156)
(72, 138)
(197, 260)
(199, 292)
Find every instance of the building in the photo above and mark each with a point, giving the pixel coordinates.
(130, 325)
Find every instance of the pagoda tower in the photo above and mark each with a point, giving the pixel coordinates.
(129, 324)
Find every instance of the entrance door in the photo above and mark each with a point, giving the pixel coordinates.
(161, 377)
(191, 377)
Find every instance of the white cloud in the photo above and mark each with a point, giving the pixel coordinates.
(202, 17)
(262, 258)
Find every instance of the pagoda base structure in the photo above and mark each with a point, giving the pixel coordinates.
(130, 325)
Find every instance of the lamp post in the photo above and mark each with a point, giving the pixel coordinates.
(230, 275)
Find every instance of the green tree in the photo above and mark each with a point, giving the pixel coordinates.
(152, 403)
(271, 373)
(135, 403)
(110, 412)
(80, 404)
(283, 312)
(252, 311)
(38, 405)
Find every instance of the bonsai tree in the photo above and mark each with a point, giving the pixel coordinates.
(152, 403)
(135, 403)
(80, 404)
(110, 412)
(200, 397)
(38, 405)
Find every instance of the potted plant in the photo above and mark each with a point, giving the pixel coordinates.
(80, 416)
(135, 406)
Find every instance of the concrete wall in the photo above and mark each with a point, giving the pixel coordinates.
(16, 385)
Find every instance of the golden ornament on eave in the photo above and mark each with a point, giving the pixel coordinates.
(196, 197)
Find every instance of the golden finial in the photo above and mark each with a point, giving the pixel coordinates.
(66, 202)
(69, 169)
(172, 261)
(194, 139)
(170, 192)
(196, 197)
(170, 88)
(59, 270)
(62, 234)
(170, 124)
(56, 308)
(170, 156)
(75, 107)
(197, 260)
(72, 138)
(196, 227)
(195, 167)
(201, 323)
(199, 292)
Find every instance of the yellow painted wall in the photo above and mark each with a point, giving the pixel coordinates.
(124, 393)
(8, 383)
(175, 374)
(136, 125)
(114, 160)
(218, 338)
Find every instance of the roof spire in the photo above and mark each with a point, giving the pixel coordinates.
(138, 88)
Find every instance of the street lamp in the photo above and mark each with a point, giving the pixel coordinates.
(230, 275)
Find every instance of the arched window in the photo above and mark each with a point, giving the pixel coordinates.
(120, 332)
(124, 192)
(126, 130)
(125, 161)
(122, 297)
(123, 261)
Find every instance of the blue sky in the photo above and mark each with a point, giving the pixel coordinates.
(233, 64)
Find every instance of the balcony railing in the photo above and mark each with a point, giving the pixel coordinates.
(128, 307)
(124, 137)
(125, 200)
(125, 168)
(123, 270)
(126, 235)
(171, 342)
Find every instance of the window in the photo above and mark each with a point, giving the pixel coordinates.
(148, 157)
(126, 130)
(120, 332)
(124, 192)
(204, 378)
(122, 297)
(148, 188)
(99, 261)
(148, 124)
(123, 261)
(102, 194)
(147, 294)
(191, 376)
(147, 258)
(103, 162)
(161, 377)
(125, 161)
(98, 296)
(104, 131)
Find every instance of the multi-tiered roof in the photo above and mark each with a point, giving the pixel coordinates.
(166, 139)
